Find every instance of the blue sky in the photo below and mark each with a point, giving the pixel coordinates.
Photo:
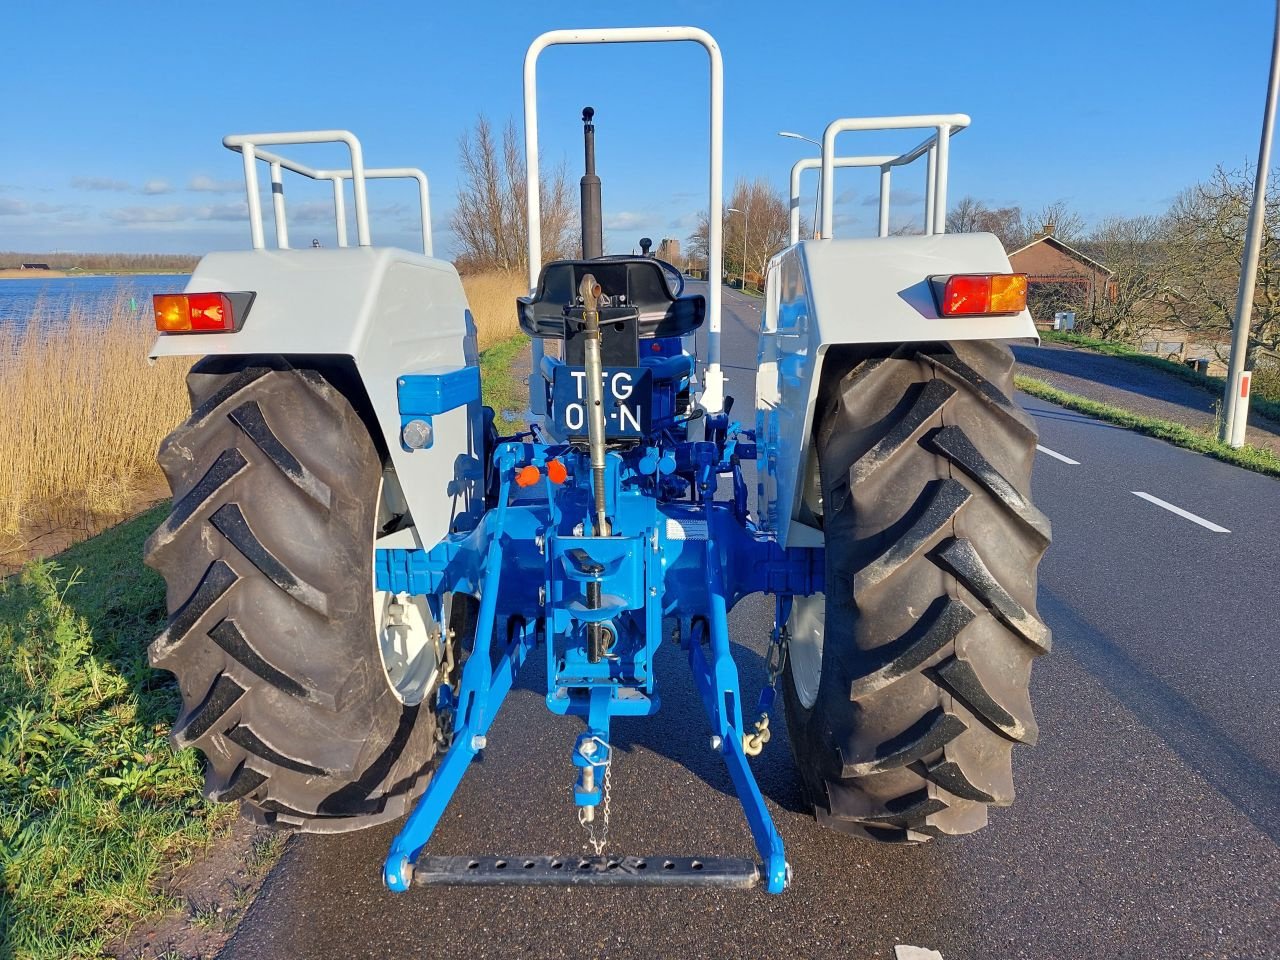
(113, 112)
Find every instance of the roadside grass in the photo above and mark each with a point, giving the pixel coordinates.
(96, 809)
(500, 388)
(1266, 394)
(1251, 458)
(95, 806)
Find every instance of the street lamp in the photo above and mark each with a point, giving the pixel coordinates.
(746, 227)
(817, 190)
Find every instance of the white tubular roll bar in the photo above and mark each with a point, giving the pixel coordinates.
(388, 173)
(935, 146)
(813, 163)
(712, 399)
(248, 145)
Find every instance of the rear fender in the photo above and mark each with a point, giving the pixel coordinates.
(824, 293)
(391, 313)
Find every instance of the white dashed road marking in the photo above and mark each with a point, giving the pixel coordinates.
(1180, 512)
(1057, 456)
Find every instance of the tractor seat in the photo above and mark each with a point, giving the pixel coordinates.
(627, 284)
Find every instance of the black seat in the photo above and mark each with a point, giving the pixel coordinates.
(628, 284)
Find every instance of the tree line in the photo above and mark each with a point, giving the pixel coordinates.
(139, 262)
(1177, 270)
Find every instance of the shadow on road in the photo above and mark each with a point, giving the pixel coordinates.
(1233, 770)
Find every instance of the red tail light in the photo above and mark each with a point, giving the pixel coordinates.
(981, 294)
(200, 312)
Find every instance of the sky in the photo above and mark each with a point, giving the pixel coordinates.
(112, 114)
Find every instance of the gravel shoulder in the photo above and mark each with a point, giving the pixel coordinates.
(1134, 387)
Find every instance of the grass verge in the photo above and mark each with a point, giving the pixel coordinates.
(1251, 458)
(499, 387)
(1268, 407)
(95, 807)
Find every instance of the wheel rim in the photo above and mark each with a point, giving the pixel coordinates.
(805, 628)
(408, 636)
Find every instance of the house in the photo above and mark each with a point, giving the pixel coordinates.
(1060, 270)
(35, 266)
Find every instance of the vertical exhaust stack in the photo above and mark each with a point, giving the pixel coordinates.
(592, 225)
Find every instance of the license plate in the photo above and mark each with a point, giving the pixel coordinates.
(628, 397)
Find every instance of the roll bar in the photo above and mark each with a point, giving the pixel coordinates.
(248, 145)
(936, 146)
(712, 398)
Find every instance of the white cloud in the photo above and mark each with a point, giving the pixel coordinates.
(627, 220)
(200, 183)
(171, 213)
(22, 208)
(222, 212)
(897, 198)
(308, 211)
(686, 222)
(157, 186)
(99, 183)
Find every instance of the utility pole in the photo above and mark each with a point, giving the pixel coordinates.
(1236, 398)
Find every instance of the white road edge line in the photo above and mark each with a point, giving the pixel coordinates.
(1180, 512)
(1057, 456)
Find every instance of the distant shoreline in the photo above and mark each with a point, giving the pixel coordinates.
(15, 274)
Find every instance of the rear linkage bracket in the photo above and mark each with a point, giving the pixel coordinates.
(483, 689)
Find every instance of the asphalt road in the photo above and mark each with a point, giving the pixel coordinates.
(1146, 823)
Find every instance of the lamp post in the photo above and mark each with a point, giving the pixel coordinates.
(1236, 400)
(817, 190)
(746, 227)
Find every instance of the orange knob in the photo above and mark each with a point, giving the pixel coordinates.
(556, 471)
(528, 476)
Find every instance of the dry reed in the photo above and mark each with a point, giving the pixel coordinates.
(82, 413)
(492, 297)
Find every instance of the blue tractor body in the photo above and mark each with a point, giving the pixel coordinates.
(678, 552)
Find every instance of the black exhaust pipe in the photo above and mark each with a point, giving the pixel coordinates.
(592, 224)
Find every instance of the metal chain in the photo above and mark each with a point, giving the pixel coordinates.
(598, 844)
(753, 743)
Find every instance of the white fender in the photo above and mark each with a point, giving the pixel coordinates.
(391, 311)
(826, 292)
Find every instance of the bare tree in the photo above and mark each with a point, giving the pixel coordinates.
(970, 215)
(764, 226)
(490, 221)
(1135, 297)
(1205, 244)
(1058, 217)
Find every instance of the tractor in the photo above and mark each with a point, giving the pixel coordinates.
(359, 561)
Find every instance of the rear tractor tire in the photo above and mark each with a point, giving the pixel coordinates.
(275, 633)
(907, 684)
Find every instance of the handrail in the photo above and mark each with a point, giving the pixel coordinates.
(249, 146)
(712, 398)
(339, 177)
(936, 146)
(813, 163)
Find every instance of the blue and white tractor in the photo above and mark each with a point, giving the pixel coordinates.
(359, 562)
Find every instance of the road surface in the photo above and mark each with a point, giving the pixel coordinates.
(1146, 823)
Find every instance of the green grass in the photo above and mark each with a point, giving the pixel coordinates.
(94, 804)
(95, 807)
(1259, 402)
(498, 388)
(1251, 458)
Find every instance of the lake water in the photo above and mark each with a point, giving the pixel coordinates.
(56, 295)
